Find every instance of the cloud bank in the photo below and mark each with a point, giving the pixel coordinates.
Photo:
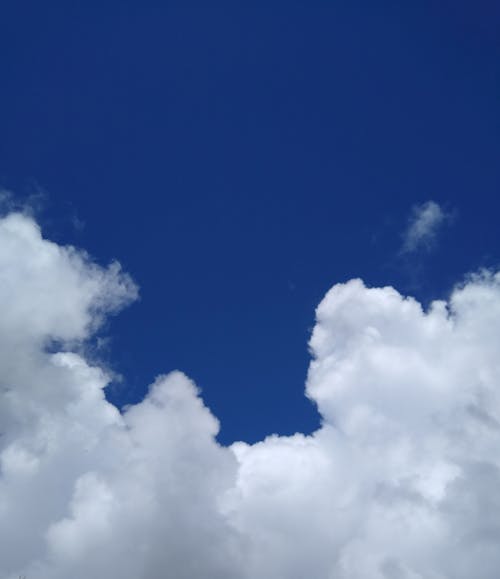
(402, 480)
(425, 221)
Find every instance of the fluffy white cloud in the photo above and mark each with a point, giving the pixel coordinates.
(425, 221)
(400, 482)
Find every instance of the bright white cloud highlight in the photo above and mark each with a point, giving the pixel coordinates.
(401, 481)
(425, 221)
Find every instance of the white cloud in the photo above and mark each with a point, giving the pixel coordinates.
(425, 221)
(401, 481)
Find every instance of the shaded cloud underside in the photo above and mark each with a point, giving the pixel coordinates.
(401, 481)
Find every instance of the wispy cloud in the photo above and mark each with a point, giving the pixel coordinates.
(424, 224)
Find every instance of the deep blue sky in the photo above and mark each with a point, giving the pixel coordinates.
(239, 158)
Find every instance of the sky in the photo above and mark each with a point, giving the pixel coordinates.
(224, 175)
(240, 158)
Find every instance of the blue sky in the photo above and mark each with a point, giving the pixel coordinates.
(277, 180)
(240, 158)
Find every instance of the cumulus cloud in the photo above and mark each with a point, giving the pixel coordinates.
(425, 221)
(401, 481)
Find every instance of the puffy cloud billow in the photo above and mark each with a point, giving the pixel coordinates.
(402, 480)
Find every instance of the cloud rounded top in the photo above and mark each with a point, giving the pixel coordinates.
(48, 291)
